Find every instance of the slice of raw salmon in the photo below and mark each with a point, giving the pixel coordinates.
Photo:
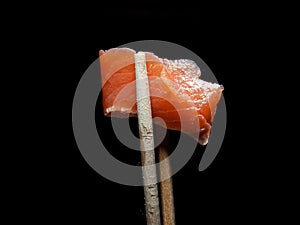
(178, 95)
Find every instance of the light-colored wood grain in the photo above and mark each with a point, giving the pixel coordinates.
(146, 140)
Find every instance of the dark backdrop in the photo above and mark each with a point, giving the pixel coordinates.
(227, 190)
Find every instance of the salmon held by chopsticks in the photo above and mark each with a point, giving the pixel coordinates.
(178, 95)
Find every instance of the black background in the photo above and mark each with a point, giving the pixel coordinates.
(235, 188)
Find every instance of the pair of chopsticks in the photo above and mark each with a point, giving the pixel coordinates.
(148, 154)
